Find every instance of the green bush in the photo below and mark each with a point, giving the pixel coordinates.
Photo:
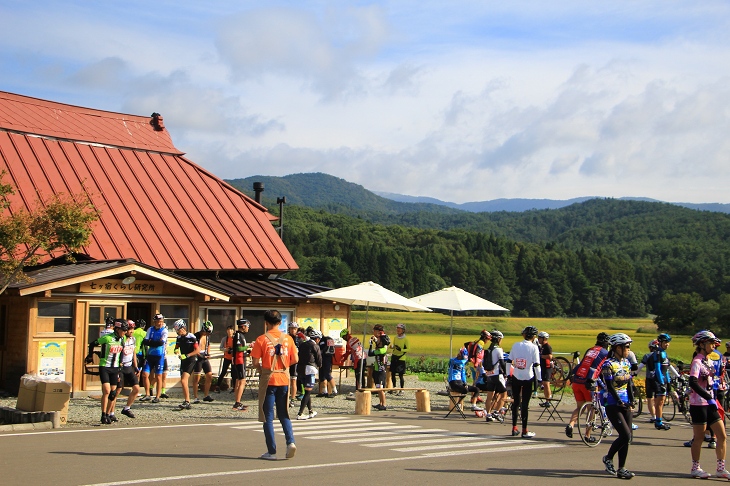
(422, 364)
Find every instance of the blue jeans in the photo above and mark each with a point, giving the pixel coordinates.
(279, 396)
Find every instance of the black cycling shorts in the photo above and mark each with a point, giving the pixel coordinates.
(495, 385)
(109, 375)
(293, 371)
(238, 371)
(188, 365)
(325, 372)
(704, 414)
(658, 389)
(546, 373)
(129, 376)
(203, 365)
(379, 378)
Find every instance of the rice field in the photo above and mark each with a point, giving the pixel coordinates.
(429, 332)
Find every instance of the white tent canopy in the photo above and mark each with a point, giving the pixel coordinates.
(455, 299)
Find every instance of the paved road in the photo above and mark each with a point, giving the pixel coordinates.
(389, 448)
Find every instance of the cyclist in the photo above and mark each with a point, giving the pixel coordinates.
(112, 346)
(130, 370)
(400, 347)
(227, 347)
(357, 355)
(703, 406)
(659, 379)
(156, 342)
(495, 370)
(525, 358)
(187, 347)
(457, 373)
(310, 360)
(379, 342)
(293, 331)
(617, 396)
(645, 361)
(327, 386)
(546, 357)
(239, 350)
(202, 365)
(584, 375)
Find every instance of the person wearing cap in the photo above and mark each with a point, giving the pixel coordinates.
(129, 375)
(379, 342)
(187, 347)
(583, 378)
(546, 358)
(239, 350)
(399, 348)
(202, 364)
(273, 353)
(525, 358)
(156, 342)
(293, 330)
(110, 358)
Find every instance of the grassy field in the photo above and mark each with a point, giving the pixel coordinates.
(429, 332)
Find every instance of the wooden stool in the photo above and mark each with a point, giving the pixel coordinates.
(363, 402)
(423, 401)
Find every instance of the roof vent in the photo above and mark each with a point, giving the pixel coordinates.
(157, 122)
(258, 188)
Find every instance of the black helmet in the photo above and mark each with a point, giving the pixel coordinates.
(602, 338)
(121, 324)
(243, 322)
(529, 331)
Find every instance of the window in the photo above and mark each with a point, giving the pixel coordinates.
(175, 312)
(55, 316)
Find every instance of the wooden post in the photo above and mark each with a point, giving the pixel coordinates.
(423, 401)
(363, 402)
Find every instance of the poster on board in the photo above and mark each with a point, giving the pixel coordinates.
(52, 359)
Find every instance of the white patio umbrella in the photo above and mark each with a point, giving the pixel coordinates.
(369, 294)
(455, 299)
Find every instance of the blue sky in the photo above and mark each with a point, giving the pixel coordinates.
(462, 101)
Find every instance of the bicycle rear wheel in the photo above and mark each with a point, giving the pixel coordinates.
(670, 407)
(590, 425)
(560, 373)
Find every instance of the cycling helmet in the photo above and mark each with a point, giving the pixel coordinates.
(653, 345)
(543, 334)
(496, 334)
(602, 338)
(293, 324)
(619, 339)
(344, 333)
(179, 324)
(485, 335)
(401, 326)
(703, 336)
(664, 337)
(207, 326)
(727, 344)
(141, 323)
(131, 324)
(529, 332)
(158, 317)
(315, 334)
(121, 324)
(243, 322)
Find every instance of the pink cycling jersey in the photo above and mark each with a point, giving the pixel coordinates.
(705, 373)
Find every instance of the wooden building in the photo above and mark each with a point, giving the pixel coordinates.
(171, 238)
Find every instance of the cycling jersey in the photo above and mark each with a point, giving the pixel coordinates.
(590, 366)
(156, 340)
(187, 343)
(525, 360)
(400, 346)
(661, 367)
(381, 347)
(355, 349)
(111, 350)
(701, 369)
(139, 335)
(128, 352)
(240, 347)
(457, 369)
(616, 374)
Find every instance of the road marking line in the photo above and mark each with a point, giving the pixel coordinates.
(298, 425)
(312, 466)
(451, 446)
(441, 438)
(411, 435)
(366, 428)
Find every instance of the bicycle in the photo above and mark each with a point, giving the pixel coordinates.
(677, 399)
(593, 424)
(562, 370)
(639, 396)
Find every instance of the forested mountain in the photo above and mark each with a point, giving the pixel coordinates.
(599, 258)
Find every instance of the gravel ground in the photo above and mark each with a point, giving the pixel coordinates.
(85, 412)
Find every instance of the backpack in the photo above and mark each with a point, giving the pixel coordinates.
(329, 347)
(476, 355)
(489, 364)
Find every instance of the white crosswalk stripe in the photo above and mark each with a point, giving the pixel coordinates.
(399, 438)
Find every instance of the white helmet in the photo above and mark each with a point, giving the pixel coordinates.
(179, 324)
(619, 339)
(315, 334)
(496, 334)
(543, 334)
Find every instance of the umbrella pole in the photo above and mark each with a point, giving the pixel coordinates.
(364, 364)
(451, 336)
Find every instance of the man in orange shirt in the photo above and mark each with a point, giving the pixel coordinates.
(272, 354)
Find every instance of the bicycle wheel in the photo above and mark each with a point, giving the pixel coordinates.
(670, 407)
(560, 373)
(590, 425)
(638, 401)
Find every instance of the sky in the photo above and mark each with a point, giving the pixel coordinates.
(460, 100)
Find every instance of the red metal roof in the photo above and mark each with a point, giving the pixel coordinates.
(156, 206)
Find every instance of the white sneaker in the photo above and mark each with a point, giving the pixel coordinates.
(302, 417)
(723, 474)
(268, 457)
(699, 473)
(476, 408)
(291, 449)
(313, 414)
